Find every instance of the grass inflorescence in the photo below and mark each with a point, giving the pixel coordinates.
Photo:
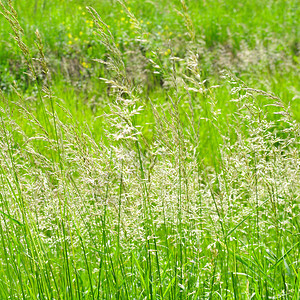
(131, 167)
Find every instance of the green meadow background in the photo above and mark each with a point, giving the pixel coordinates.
(149, 149)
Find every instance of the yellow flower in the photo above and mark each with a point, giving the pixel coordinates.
(80, 8)
(168, 52)
(69, 35)
(123, 19)
(80, 33)
(83, 13)
(84, 64)
(70, 42)
(148, 23)
(76, 39)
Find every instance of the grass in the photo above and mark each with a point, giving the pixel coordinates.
(149, 150)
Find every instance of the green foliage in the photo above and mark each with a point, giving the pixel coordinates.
(143, 155)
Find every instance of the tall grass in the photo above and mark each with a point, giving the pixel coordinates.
(173, 199)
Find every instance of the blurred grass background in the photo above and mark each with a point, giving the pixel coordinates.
(230, 33)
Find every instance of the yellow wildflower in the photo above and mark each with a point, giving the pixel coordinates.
(168, 52)
(84, 64)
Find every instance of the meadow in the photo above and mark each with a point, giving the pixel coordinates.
(149, 149)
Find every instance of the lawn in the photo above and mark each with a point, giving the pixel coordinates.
(149, 149)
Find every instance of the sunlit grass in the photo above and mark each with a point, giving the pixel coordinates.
(146, 173)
